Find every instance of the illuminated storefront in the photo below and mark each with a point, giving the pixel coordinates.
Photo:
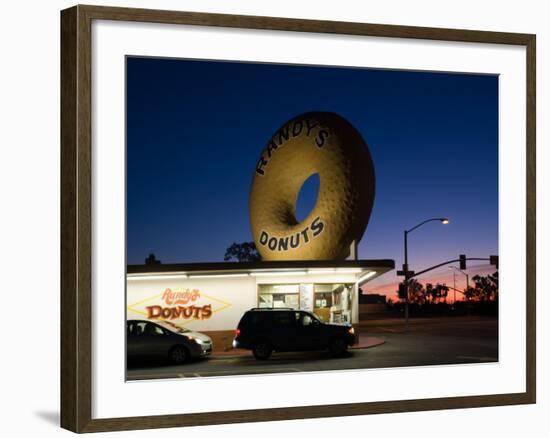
(332, 302)
(211, 298)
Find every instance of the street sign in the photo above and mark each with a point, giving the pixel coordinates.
(405, 273)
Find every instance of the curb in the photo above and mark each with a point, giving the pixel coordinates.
(364, 343)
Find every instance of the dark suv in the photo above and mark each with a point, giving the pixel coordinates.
(266, 330)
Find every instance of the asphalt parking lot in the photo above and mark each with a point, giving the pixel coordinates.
(429, 341)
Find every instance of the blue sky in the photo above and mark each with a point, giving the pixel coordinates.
(195, 130)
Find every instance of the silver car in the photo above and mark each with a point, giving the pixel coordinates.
(147, 339)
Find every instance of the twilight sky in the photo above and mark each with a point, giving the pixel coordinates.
(195, 131)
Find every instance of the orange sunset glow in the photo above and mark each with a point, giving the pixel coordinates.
(388, 285)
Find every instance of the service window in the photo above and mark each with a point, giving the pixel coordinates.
(265, 301)
(332, 302)
(279, 296)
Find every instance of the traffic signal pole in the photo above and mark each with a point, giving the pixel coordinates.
(448, 262)
(407, 275)
(493, 260)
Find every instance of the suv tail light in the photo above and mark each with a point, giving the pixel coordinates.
(237, 332)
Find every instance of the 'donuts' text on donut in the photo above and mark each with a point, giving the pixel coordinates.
(313, 143)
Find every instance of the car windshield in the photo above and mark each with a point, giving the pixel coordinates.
(173, 327)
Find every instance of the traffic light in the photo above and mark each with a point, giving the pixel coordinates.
(462, 260)
(402, 292)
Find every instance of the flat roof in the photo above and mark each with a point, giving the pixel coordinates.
(386, 264)
(377, 267)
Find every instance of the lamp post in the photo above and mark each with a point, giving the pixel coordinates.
(464, 273)
(408, 274)
(454, 286)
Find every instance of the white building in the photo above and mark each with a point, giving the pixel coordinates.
(212, 297)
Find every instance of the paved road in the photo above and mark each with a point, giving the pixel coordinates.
(434, 341)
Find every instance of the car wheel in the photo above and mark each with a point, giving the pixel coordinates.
(338, 346)
(179, 355)
(262, 350)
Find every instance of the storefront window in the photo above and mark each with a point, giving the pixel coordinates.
(279, 295)
(265, 300)
(333, 302)
(330, 302)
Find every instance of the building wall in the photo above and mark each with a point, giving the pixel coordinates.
(221, 301)
(214, 305)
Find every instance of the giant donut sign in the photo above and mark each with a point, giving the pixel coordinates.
(313, 143)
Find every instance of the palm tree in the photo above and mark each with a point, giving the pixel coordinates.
(442, 291)
(417, 293)
(431, 292)
(437, 292)
(487, 287)
(493, 279)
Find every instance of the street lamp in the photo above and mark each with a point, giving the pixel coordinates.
(454, 284)
(408, 274)
(464, 273)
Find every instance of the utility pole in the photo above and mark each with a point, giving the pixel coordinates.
(409, 274)
(454, 286)
(462, 272)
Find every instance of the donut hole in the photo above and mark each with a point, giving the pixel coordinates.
(307, 197)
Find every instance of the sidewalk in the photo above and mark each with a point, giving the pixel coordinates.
(367, 342)
(364, 342)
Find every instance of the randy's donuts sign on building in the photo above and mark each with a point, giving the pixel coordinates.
(179, 305)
